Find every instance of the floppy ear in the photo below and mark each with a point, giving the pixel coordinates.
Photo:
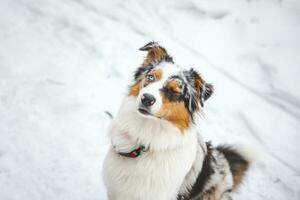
(207, 91)
(204, 90)
(156, 54)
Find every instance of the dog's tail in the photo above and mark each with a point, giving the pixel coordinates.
(239, 158)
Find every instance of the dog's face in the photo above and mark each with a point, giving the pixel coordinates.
(166, 92)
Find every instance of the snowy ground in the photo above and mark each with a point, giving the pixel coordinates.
(63, 63)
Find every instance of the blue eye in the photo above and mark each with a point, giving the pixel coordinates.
(150, 78)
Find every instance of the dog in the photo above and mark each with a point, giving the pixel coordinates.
(156, 151)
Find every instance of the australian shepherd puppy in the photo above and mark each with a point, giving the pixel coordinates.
(156, 151)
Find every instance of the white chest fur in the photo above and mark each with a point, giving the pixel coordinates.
(156, 174)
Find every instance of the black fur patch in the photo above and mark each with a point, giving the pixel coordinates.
(206, 91)
(142, 70)
(168, 59)
(203, 177)
(238, 164)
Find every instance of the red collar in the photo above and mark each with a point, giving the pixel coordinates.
(134, 153)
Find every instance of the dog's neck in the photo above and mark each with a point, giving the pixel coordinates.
(129, 130)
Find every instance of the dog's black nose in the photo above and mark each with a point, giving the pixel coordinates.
(148, 100)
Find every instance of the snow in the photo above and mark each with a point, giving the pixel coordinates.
(64, 63)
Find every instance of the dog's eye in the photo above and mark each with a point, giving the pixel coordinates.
(150, 77)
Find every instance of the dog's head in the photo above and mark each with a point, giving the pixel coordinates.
(165, 91)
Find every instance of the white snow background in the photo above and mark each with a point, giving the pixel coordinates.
(64, 63)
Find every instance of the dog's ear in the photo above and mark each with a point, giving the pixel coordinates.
(204, 90)
(207, 91)
(156, 54)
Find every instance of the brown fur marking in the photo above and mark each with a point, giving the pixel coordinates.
(198, 83)
(135, 89)
(158, 74)
(174, 86)
(154, 55)
(238, 164)
(240, 170)
(174, 112)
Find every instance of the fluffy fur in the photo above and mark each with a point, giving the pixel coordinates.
(159, 172)
(161, 113)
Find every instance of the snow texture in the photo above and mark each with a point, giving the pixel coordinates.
(64, 63)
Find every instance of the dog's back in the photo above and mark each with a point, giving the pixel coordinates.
(222, 171)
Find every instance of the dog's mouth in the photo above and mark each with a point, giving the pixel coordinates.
(144, 111)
